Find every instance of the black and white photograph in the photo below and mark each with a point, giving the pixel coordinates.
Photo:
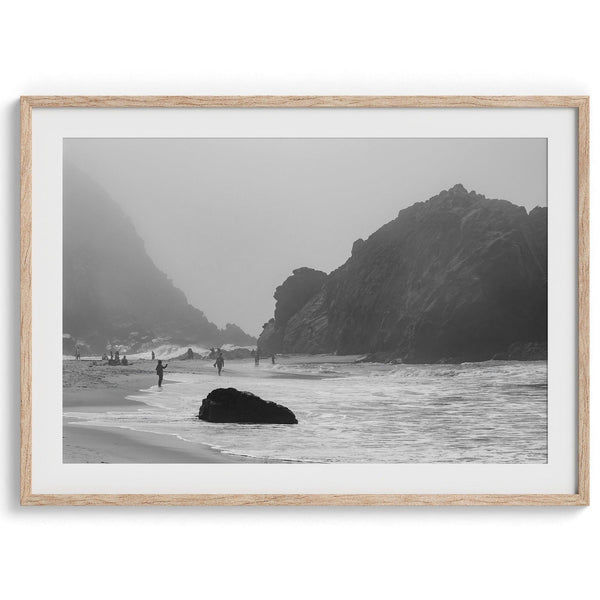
(305, 300)
(298, 300)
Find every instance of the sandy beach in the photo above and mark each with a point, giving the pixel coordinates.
(93, 387)
(346, 411)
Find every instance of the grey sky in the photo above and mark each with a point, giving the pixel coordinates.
(228, 219)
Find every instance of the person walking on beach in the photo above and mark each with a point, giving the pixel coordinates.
(273, 359)
(257, 358)
(159, 371)
(220, 362)
(153, 355)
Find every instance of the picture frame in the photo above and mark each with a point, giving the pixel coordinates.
(487, 105)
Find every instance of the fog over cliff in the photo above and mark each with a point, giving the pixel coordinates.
(228, 220)
(113, 294)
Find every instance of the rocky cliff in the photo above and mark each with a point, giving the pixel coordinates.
(456, 278)
(290, 296)
(112, 291)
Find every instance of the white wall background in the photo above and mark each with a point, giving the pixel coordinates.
(309, 47)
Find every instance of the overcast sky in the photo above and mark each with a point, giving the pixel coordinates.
(229, 219)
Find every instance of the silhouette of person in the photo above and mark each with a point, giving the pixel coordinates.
(273, 358)
(117, 357)
(220, 362)
(153, 355)
(257, 358)
(77, 353)
(124, 360)
(190, 354)
(159, 371)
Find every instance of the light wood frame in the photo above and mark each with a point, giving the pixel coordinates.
(580, 103)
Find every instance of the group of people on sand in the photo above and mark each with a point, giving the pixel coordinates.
(115, 358)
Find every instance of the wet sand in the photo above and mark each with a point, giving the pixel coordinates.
(96, 388)
(82, 444)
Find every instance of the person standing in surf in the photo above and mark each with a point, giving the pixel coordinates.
(220, 362)
(159, 371)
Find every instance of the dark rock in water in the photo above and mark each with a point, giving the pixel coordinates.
(228, 405)
(457, 278)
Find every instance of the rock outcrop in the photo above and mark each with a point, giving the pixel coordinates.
(457, 278)
(228, 405)
(112, 291)
(290, 297)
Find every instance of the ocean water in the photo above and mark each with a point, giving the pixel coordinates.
(491, 412)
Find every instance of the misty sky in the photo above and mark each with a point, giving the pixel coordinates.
(229, 219)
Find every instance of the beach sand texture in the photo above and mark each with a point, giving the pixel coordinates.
(94, 387)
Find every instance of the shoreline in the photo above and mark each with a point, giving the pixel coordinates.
(102, 389)
(124, 393)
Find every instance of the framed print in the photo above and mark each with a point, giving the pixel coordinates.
(305, 300)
